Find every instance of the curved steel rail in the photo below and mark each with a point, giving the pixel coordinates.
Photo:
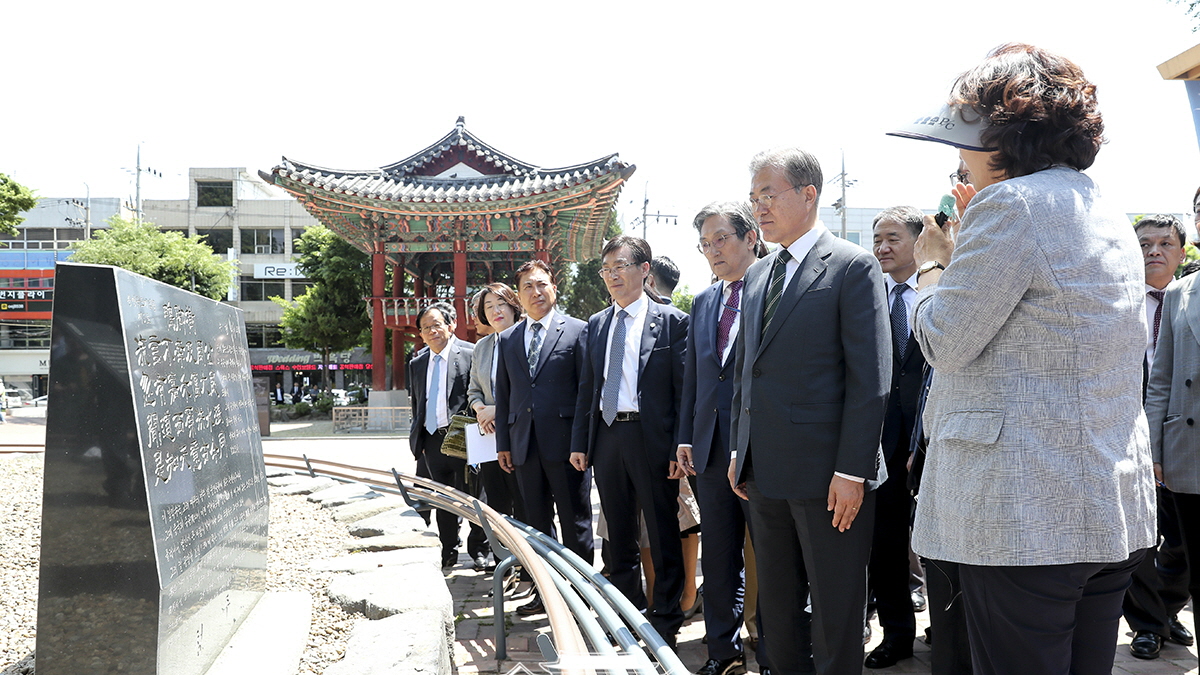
(583, 607)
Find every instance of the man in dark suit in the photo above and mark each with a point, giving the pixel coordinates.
(537, 379)
(625, 425)
(437, 388)
(729, 241)
(810, 389)
(895, 232)
(1158, 589)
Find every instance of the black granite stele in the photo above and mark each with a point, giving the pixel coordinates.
(154, 515)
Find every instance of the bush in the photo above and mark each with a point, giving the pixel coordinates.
(324, 404)
(302, 408)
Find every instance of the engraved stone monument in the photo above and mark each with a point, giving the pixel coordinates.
(154, 519)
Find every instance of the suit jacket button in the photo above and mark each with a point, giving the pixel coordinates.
(747, 411)
(722, 378)
(1187, 382)
(757, 372)
(1191, 421)
(532, 384)
(529, 410)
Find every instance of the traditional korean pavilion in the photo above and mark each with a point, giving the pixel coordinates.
(455, 215)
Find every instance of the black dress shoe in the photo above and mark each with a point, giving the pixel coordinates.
(1146, 645)
(480, 563)
(918, 601)
(450, 558)
(735, 665)
(1180, 635)
(532, 607)
(889, 653)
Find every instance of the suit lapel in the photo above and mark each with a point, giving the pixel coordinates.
(600, 343)
(754, 296)
(706, 340)
(548, 341)
(811, 269)
(1191, 308)
(654, 320)
(517, 340)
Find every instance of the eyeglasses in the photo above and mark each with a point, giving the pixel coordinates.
(960, 177)
(765, 200)
(718, 243)
(614, 271)
(433, 328)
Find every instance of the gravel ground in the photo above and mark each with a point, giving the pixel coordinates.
(300, 532)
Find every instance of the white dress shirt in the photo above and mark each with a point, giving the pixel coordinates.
(546, 322)
(799, 249)
(635, 323)
(443, 414)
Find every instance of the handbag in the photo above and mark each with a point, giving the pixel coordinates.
(455, 442)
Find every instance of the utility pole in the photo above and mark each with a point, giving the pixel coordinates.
(139, 170)
(87, 213)
(646, 216)
(840, 205)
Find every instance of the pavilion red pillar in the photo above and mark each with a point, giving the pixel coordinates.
(540, 251)
(398, 336)
(460, 288)
(378, 334)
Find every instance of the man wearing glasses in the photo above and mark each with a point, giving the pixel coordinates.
(730, 242)
(438, 379)
(625, 421)
(813, 368)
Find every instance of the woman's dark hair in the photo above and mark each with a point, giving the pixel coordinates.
(505, 294)
(1041, 109)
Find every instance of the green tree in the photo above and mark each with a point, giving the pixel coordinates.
(15, 199)
(331, 316)
(581, 291)
(139, 246)
(682, 299)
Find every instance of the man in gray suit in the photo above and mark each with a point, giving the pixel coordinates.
(813, 368)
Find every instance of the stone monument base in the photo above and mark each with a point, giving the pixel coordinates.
(271, 640)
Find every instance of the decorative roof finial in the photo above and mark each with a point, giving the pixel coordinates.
(461, 121)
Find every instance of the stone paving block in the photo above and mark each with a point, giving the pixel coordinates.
(402, 644)
(390, 542)
(284, 479)
(395, 521)
(343, 493)
(307, 486)
(366, 562)
(392, 590)
(356, 511)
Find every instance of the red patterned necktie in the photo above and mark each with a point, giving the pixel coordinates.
(728, 316)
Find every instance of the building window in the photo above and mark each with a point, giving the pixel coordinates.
(262, 241)
(260, 289)
(300, 287)
(220, 239)
(262, 336)
(70, 234)
(297, 232)
(214, 193)
(25, 335)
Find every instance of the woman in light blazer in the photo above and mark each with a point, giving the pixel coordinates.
(1038, 478)
(497, 307)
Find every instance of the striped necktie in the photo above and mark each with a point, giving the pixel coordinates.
(900, 320)
(612, 377)
(775, 291)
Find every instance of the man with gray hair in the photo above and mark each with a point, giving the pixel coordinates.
(810, 390)
(730, 241)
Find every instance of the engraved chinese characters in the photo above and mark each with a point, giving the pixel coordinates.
(155, 507)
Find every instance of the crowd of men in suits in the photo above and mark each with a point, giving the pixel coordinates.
(810, 345)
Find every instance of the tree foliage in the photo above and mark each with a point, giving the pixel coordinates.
(15, 199)
(682, 298)
(581, 291)
(331, 316)
(139, 246)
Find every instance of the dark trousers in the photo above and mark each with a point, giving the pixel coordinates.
(448, 471)
(1188, 508)
(501, 490)
(1045, 619)
(888, 571)
(547, 486)
(723, 518)
(629, 480)
(1159, 588)
(950, 651)
(799, 553)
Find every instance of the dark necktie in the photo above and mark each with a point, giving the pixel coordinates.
(535, 347)
(900, 321)
(775, 290)
(728, 316)
(612, 378)
(1157, 295)
(435, 392)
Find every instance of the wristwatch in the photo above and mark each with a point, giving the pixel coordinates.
(929, 266)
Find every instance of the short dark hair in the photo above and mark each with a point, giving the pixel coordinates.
(1041, 110)
(501, 291)
(666, 271)
(1163, 220)
(910, 216)
(446, 309)
(638, 247)
(530, 265)
(1189, 269)
(802, 167)
(739, 216)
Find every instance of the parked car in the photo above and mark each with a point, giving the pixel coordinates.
(39, 402)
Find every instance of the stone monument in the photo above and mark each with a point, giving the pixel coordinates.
(154, 519)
